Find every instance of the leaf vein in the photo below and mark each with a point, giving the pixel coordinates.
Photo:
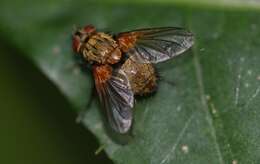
(209, 119)
(180, 136)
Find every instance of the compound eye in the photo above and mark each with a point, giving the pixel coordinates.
(76, 43)
(89, 29)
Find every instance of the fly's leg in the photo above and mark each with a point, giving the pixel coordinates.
(83, 112)
(171, 83)
(162, 79)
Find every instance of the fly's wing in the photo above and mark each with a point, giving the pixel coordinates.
(156, 44)
(117, 98)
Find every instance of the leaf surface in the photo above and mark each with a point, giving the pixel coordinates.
(206, 109)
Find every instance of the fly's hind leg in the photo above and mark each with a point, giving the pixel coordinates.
(163, 79)
(171, 83)
(83, 112)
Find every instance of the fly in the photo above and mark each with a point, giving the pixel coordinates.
(122, 65)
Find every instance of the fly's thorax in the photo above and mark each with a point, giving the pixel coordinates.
(142, 76)
(101, 48)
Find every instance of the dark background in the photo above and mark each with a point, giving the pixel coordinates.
(37, 123)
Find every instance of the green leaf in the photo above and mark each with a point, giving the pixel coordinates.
(206, 107)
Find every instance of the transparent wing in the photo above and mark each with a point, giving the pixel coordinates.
(156, 44)
(117, 98)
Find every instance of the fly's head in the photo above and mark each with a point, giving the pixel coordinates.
(81, 36)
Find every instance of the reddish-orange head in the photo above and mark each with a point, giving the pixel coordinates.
(81, 36)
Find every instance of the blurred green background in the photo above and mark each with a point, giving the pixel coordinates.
(38, 112)
(37, 123)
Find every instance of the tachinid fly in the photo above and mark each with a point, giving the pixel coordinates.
(122, 65)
